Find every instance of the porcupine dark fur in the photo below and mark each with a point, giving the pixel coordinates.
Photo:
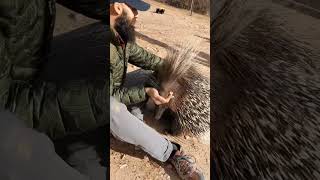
(265, 92)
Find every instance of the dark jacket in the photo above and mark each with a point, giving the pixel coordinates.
(120, 56)
(26, 30)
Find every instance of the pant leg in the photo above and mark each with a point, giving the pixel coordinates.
(126, 127)
(86, 152)
(86, 160)
(26, 154)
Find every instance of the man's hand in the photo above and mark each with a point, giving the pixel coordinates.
(155, 96)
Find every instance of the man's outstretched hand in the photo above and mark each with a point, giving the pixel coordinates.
(155, 96)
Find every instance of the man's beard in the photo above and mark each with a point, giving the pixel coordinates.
(125, 28)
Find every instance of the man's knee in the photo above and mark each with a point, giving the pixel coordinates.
(116, 107)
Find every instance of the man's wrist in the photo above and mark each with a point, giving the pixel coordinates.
(146, 90)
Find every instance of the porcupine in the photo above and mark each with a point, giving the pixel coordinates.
(189, 110)
(266, 90)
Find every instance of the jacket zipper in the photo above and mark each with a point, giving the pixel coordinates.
(51, 12)
(124, 64)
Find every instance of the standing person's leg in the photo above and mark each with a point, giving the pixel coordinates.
(26, 154)
(87, 153)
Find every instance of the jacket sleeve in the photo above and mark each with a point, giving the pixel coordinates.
(96, 9)
(128, 95)
(142, 58)
(59, 109)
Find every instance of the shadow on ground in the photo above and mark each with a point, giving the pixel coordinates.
(202, 58)
(128, 149)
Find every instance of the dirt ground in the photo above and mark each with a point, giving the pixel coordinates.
(156, 33)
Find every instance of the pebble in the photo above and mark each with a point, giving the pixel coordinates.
(123, 156)
(123, 166)
(145, 158)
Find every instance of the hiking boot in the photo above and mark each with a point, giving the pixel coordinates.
(185, 166)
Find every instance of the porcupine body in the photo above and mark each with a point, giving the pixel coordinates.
(189, 110)
(266, 92)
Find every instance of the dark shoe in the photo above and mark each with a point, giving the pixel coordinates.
(185, 166)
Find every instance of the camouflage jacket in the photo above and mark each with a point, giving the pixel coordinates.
(120, 55)
(25, 37)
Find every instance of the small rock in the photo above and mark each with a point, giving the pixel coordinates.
(145, 158)
(162, 171)
(123, 166)
(123, 156)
